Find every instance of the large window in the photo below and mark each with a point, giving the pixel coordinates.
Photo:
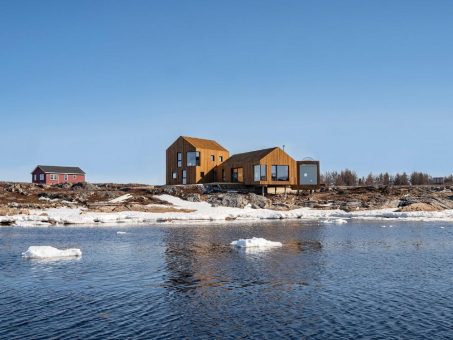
(179, 159)
(259, 172)
(41, 177)
(280, 172)
(193, 158)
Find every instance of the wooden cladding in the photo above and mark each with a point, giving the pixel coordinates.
(196, 163)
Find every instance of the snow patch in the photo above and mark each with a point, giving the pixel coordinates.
(121, 198)
(255, 242)
(43, 252)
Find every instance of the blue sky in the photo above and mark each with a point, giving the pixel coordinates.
(108, 85)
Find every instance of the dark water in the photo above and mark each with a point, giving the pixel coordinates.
(357, 280)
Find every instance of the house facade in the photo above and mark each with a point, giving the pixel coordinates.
(194, 160)
(267, 167)
(49, 174)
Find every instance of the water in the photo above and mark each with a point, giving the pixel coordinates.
(357, 280)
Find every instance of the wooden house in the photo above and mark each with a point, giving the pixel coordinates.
(266, 168)
(193, 160)
(49, 174)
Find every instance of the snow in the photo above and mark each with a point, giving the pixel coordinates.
(122, 232)
(255, 242)
(121, 198)
(204, 212)
(43, 252)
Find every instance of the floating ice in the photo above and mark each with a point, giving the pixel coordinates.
(42, 252)
(335, 221)
(256, 242)
(121, 232)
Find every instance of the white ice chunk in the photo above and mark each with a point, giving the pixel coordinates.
(335, 221)
(121, 232)
(42, 252)
(255, 242)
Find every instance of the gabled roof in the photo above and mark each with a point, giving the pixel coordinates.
(250, 156)
(204, 143)
(60, 169)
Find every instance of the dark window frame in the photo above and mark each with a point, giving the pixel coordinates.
(197, 158)
(274, 170)
(263, 177)
(179, 159)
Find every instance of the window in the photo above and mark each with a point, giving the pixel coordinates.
(259, 172)
(237, 175)
(74, 176)
(174, 175)
(34, 177)
(41, 177)
(53, 177)
(65, 177)
(193, 158)
(220, 158)
(280, 172)
(179, 159)
(212, 158)
(201, 174)
(184, 177)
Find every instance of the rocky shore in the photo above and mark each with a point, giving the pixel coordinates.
(19, 198)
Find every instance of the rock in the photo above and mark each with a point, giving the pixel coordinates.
(258, 202)
(194, 198)
(84, 186)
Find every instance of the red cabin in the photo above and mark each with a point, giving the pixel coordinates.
(47, 174)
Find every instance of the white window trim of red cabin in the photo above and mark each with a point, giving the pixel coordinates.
(53, 177)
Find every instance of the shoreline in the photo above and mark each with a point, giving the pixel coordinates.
(203, 212)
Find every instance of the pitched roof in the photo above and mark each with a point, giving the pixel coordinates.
(204, 143)
(250, 156)
(61, 169)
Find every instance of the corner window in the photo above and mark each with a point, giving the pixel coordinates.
(220, 158)
(193, 158)
(179, 159)
(212, 158)
(259, 172)
(174, 175)
(280, 173)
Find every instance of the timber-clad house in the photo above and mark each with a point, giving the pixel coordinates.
(196, 160)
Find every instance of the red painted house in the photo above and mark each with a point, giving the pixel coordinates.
(47, 174)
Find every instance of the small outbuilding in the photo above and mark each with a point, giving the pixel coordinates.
(50, 174)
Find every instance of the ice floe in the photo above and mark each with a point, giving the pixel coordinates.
(122, 232)
(44, 252)
(255, 242)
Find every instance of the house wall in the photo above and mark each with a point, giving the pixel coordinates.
(37, 173)
(275, 157)
(61, 179)
(193, 172)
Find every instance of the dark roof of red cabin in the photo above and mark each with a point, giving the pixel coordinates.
(60, 169)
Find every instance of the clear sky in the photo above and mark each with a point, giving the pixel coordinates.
(108, 85)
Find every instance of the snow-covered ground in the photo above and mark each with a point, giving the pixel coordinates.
(205, 212)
